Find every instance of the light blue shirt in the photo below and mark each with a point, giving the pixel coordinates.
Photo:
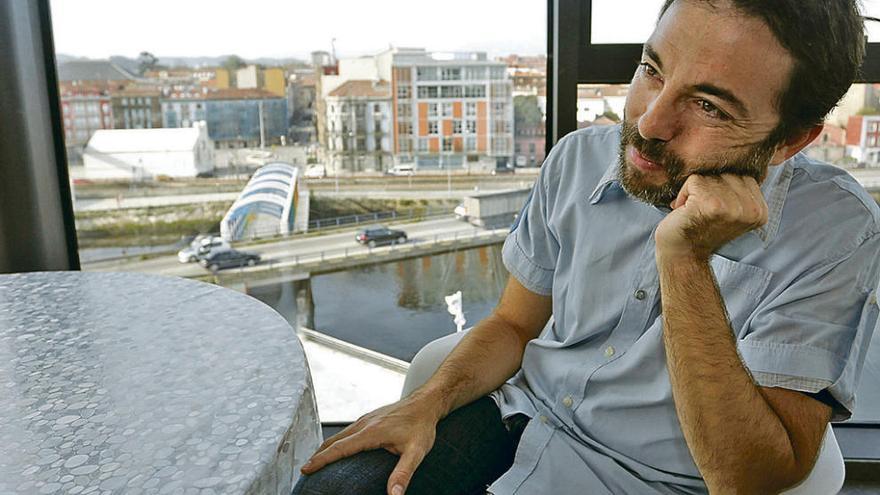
(800, 293)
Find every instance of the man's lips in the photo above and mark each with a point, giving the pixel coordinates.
(641, 162)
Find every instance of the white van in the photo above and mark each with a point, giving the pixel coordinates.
(402, 170)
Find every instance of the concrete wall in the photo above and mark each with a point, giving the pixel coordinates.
(138, 166)
(495, 209)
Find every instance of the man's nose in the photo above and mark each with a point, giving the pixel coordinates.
(661, 119)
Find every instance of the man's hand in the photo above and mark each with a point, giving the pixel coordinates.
(708, 213)
(406, 428)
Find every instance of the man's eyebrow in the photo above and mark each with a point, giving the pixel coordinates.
(652, 53)
(724, 94)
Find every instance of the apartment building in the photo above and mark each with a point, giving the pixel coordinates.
(270, 79)
(85, 108)
(863, 139)
(236, 118)
(137, 108)
(359, 126)
(447, 109)
(451, 110)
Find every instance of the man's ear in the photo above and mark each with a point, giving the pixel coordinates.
(794, 144)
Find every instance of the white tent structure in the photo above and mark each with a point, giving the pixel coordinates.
(148, 153)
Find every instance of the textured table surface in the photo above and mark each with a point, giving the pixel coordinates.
(127, 383)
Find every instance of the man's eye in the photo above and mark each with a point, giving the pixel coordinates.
(649, 70)
(711, 110)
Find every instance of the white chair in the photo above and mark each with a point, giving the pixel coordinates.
(826, 478)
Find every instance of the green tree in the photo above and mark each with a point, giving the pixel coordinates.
(147, 62)
(526, 112)
(233, 63)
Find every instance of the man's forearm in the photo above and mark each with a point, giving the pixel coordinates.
(733, 434)
(485, 358)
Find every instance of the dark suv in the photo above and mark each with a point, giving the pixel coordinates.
(375, 236)
(229, 259)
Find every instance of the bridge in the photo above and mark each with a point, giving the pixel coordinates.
(308, 253)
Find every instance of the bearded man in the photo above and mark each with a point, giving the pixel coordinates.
(711, 288)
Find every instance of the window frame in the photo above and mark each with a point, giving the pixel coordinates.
(572, 59)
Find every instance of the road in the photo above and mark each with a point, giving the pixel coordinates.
(289, 249)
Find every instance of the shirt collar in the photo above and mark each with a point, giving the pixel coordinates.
(774, 188)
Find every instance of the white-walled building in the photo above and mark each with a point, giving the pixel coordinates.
(138, 154)
(359, 126)
(249, 77)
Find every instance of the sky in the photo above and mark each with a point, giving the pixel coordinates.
(284, 28)
(294, 28)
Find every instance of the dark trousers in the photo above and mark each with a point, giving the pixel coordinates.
(472, 449)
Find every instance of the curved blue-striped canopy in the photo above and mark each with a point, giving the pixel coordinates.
(266, 205)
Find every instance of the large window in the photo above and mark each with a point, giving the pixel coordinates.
(175, 130)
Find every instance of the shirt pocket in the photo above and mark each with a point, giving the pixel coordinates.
(741, 286)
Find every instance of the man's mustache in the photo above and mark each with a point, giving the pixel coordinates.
(655, 151)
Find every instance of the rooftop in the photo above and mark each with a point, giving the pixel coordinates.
(92, 70)
(141, 140)
(363, 89)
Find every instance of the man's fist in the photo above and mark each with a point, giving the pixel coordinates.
(708, 213)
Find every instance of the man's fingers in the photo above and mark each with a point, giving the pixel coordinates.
(338, 450)
(346, 432)
(403, 472)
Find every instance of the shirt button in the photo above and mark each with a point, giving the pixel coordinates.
(640, 294)
(609, 351)
(567, 401)
(543, 419)
(873, 298)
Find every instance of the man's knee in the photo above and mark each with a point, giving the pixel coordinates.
(363, 473)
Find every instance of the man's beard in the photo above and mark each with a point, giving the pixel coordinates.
(751, 162)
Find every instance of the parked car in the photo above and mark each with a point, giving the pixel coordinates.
(315, 172)
(229, 258)
(375, 236)
(401, 170)
(201, 246)
(460, 212)
(503, 170)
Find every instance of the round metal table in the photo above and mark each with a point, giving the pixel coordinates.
(128, 383)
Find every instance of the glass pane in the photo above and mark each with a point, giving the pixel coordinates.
(872, 8)
(624, 21)
(632, 21)
(600, 104)
(172, 135)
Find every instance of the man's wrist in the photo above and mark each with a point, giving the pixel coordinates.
(683, 258)
(432, 400)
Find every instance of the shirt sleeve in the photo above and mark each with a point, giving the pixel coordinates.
(813, 336)
(531, 249)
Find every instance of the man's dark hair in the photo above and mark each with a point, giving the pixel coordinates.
(826, 38)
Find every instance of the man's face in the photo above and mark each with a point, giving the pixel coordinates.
(703, 101)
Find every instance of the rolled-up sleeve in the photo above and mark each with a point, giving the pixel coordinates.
(813, 335)
(531, 249)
